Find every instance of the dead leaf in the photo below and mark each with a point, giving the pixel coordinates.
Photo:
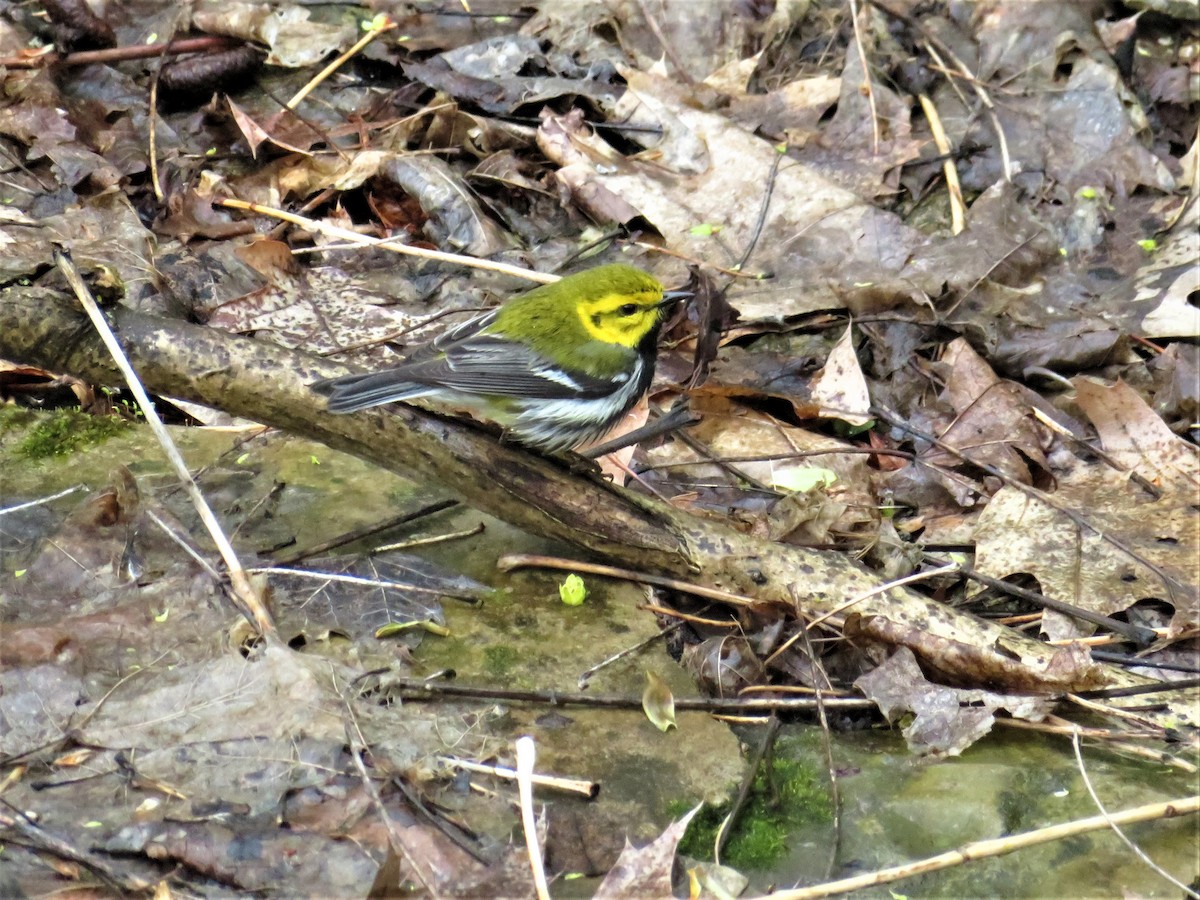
(840, 388)
(645, 872)
(658, 702)
(946, 720)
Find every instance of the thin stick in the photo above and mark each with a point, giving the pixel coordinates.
(350, 537)
(978, 850)
(589, 789)
(1139, 634)
(415, 688)
(934, 44)
(20, 506)
(359, 580)
(881, 589)
(826, 693)
(772, 177)
(984, 98)
(1141, 481)
(526, 756)
(586, 677)
(356, 742)
(949, 169)
(20, 823)
(389, 243)
(1136, 850)
(668, 46)
(529, 560)
(835, 796)
(212, 42)
(377, 27)
(259, 616)
(1172, 584)
(696, 261)
(870, 91)
(432, 539)
(763, 754)
(1117, 741)
(183, 545)
(686, 617)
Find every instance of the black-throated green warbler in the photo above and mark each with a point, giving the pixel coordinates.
(557, 366)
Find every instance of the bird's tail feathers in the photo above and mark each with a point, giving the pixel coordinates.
(354, 392)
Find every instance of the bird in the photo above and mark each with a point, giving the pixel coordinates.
(557, 366)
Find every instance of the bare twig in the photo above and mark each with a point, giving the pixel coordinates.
(183, 544)
(19, 823)
(359, 580)
(586, 676)
(478, 528)
(1117, 741)
(957, 206)
(376, 28)
(1139, 634)
(395, 839)
(978, 850)
(415, 688)
(867, 87)
(529, 560)
(819, 676)
(588, 789)
(357, 534)
(667, 47)
(762, 211)
(41, 500)
(392, 244)
(526, 756)
(212, 42)
(696, 261)
(762, 756)
(935, 46)
(834, 615)
(1139, 479)
(244, 591)
(1116, 829)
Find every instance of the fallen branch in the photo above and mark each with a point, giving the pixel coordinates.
(268, 384)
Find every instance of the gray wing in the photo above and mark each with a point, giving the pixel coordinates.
(486, 364)
(464, 361)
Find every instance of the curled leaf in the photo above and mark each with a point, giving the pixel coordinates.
(658, 702)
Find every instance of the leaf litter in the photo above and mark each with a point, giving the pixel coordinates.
(1042, 362)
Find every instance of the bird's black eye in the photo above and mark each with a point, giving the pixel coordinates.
(627, 309)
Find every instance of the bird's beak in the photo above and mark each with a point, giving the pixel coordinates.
(670, 297)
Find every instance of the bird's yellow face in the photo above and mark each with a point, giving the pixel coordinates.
(622, 318)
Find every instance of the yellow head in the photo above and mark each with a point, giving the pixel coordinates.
(615, 305)
(622, 308)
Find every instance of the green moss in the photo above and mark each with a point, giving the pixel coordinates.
(798, 797)
(64, 431)
(498, 660)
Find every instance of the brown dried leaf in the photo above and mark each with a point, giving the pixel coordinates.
(1067, 668)
(645, 872)
(994, 425)
(841, 388)
(946, 720)
(1020, 533)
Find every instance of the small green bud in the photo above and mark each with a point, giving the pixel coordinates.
(573, 591)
